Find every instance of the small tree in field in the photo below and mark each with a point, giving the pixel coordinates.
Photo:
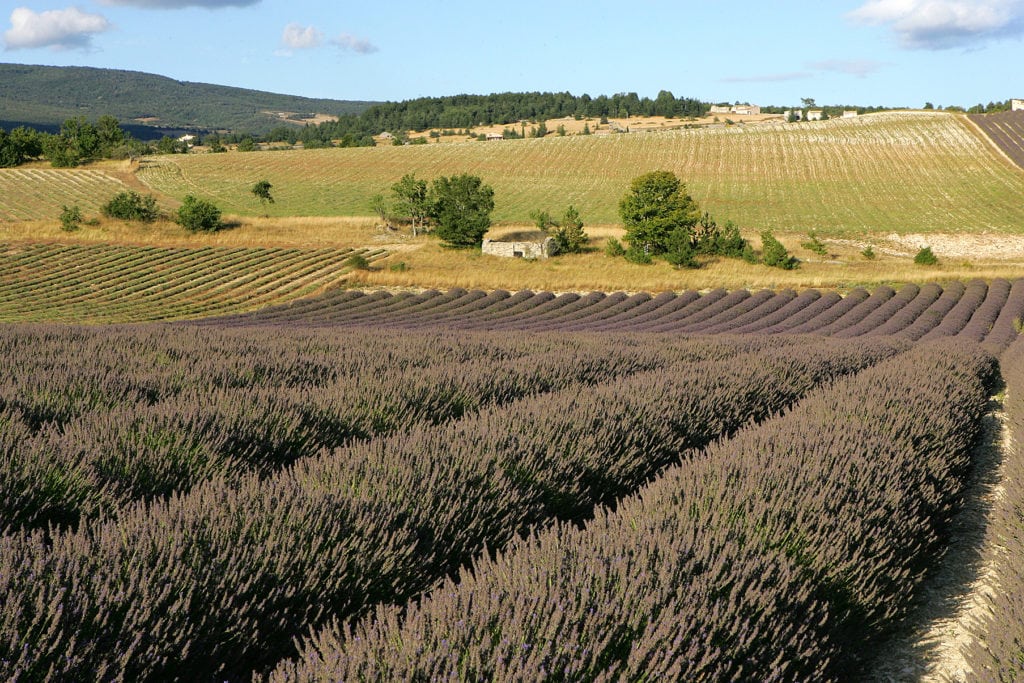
(655, 206)
(774, 254)
(261, 191)
(131, 206)
(198, 215)
(926, 257)
(462, 209)
(570, 235)
(70, 218)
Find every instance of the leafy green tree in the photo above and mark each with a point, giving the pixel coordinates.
(20, 145)
(261, 190)
(246, 144)
(543, 220)
(774, 254)
(70, 218)
(680, 250)
(570, 235)
(131, 206)
(462, 209)
(76, 143)
(198, 215)
(656, 205)
(109, 135)
(412, 199)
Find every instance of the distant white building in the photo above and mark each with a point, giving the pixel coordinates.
(850, 114)
(738, 109)
(814, 115)
(795, 114)
(495, 136)
(187, 139)
(1016, 105)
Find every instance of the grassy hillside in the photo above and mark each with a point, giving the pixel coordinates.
(879, 173)
(47, 95)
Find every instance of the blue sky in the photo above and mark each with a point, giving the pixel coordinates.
(865, 52)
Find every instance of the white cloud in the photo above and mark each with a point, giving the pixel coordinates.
(941, 24)
(179, 4)
(297, 37)
(347, 41)
(59, 29)
(853, 67)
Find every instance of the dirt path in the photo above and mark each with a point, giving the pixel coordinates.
(932, 646)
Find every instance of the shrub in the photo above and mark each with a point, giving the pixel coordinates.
(570, 235)
(925, 257)
(70, 218)
(131, 206)
(357, 262)
(813, 244)
(399, 267)
(868, 253)
(198, 215)
(774, 254)
(637, 255)
(614, 248)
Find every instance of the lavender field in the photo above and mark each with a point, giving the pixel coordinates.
(502, 486)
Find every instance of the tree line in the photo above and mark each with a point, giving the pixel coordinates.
(468, 111)
(79, 141)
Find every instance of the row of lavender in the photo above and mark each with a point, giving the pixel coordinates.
(976, 311)
(218, 580)
(100, 418)
(997, 651)
(786, 553)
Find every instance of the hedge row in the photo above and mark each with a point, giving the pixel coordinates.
(217, 583)
(781, 555)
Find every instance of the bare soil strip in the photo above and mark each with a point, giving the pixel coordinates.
(931, 646)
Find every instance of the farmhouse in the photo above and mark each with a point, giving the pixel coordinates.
(814, 115)
(738, 109)
(850, 114)
(521, 245)
(1016, 105)
(495, 136)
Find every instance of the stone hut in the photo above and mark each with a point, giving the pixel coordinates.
(521, 245)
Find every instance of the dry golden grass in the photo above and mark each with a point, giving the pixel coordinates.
(300, 232)
(429, 265)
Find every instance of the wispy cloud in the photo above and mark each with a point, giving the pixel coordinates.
(60, 29)
(943, 24)
(180, 4)
(351, 43)
(769, 78)
(299, 37)
(853, 67)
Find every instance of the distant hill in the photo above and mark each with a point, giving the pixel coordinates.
(149, 105)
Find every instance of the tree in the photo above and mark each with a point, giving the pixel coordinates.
(926, 257)
(462, 209)
(570, 235)
(198, 215)
(412, 199)
(655, 206)
(380, 207)
(70, 218)
(774, 254)
(261, 191)
(807, 102)
(131, 206)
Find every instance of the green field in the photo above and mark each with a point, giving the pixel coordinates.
(107, 283)
(904, 172)
(38, 193)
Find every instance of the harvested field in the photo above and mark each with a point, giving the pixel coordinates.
(896, 172)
